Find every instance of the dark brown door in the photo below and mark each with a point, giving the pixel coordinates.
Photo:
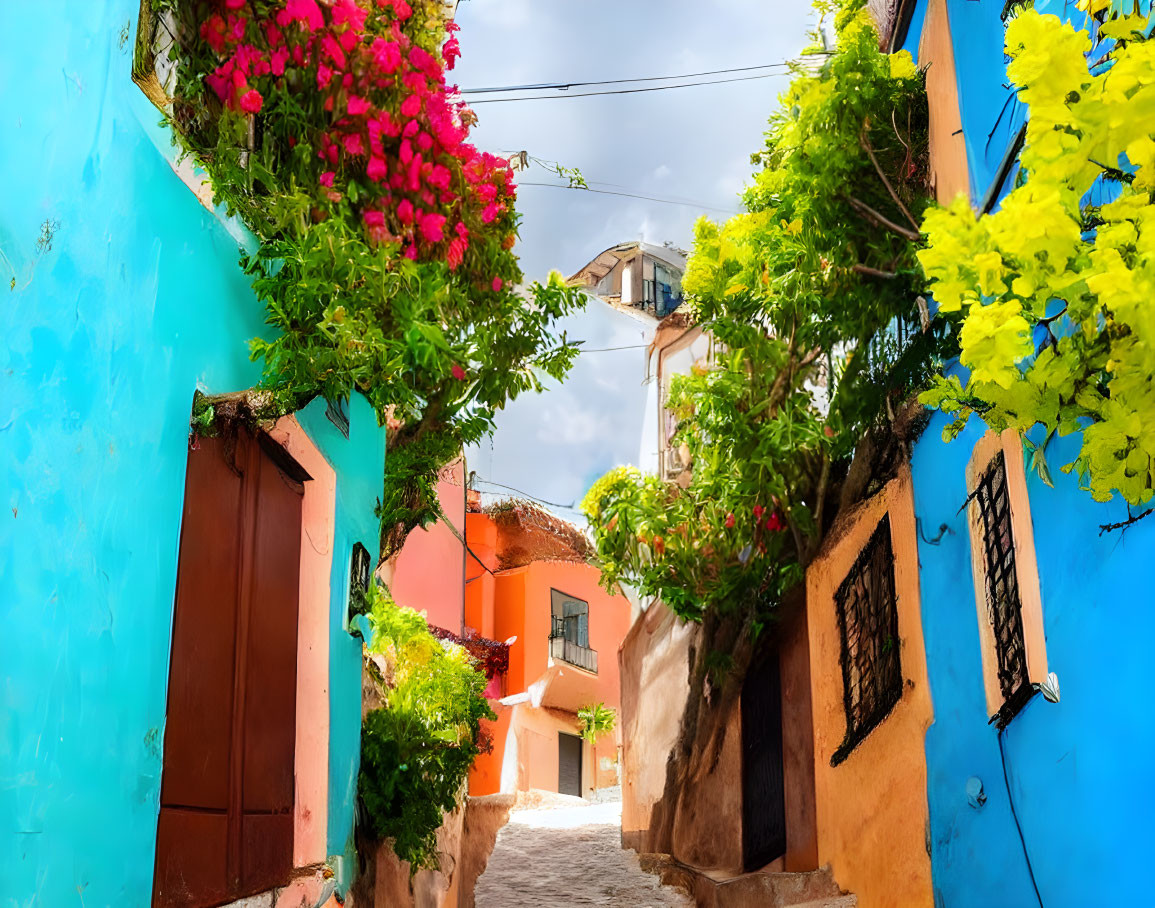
(226, 802)
(569, 764)
(763, 785)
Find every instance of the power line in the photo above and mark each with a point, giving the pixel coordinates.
(609, 349)
(620, 91)
(563, 86)
(552, 504)
(630, 195)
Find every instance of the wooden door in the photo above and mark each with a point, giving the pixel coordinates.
(763, 787)
(569, 764)
(226, 817)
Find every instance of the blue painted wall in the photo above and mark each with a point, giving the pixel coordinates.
(138, 302)
(1081, 771)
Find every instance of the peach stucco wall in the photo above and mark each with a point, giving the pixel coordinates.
(429, 575)
(310, 811)
(947, 147)
(871, 809)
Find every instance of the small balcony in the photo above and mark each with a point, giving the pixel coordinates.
(563, 647)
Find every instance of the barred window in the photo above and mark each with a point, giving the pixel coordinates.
(1004, 606)
(868, 623)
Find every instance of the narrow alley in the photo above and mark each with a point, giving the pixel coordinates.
(569, 853)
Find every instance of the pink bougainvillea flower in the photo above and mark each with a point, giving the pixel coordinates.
(462, 230)
(324, 76)
(386, 54)
(410, 252)
(730, 521)
(432, 227)
(251, 101)
(353, 144)
(377, 170)
(455, 254)
(451, 51)
(373, 218)
(405, 212)
(411, 106)
(498, 283)
(490, 212)
(277, 61)
(357, 106)
(304, 11)
(758, 512)
(234, 4)
(348, 12)
(458, 372)
(326, 179)
(333, 50)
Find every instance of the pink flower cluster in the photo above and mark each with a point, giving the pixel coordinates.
(389, 123)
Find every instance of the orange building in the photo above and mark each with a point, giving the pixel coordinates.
(528, 582)
(515, 573)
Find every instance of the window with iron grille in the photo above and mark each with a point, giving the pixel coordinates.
(868, 624)
(1004, 607)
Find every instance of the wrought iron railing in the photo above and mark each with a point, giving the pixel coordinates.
(573, 653)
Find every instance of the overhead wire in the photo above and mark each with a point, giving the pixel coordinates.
(562, 86)
(622, 91)
(629, 195)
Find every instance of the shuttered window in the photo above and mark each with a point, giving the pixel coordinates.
(226, 820)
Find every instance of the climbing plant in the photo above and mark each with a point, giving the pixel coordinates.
(1055, 287)
(385, 257)
(417, 748)
(810, 297)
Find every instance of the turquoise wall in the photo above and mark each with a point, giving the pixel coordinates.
(138, 302)
(1081, 771)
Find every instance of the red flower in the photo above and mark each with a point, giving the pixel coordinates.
(498, 283)
(373, 218)
(774, 524)
(251, 101)
(458, 372)
(757, 512)
(326, 178)
(405, 212)
(234, 4)
(729, 521)
(357, 106)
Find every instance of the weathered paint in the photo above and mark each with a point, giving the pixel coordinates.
(107, 334)
(871, 809)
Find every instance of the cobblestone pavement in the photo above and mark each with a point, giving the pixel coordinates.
(569, 855)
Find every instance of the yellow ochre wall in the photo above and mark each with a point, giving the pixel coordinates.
(872, 809)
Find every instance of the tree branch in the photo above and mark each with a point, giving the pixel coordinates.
(1123, 524)
(859, 268)
(865, 143)
(883, 221)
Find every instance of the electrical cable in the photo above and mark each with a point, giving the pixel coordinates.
(630, 195)
(1015, 816)
(582, 350)
(562, 86)
(621, 91)
(552, 504)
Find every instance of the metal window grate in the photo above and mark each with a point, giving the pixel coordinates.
(868, 623)
(1004, 608)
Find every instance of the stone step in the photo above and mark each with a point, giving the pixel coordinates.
(812, 889)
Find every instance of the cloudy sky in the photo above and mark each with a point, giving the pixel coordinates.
(690, 144)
